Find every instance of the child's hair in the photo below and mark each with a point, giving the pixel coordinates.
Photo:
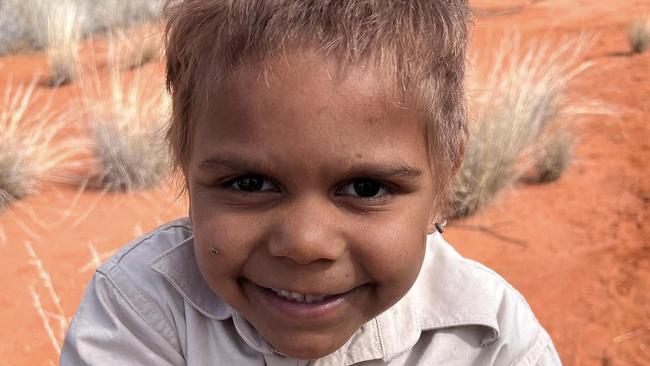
(421, 44)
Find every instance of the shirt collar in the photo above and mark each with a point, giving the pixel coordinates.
(438, 299)
(450, 291)
(178, 266)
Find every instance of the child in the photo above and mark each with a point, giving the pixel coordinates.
(318, 140)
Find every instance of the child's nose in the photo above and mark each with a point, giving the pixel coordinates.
(306, 231)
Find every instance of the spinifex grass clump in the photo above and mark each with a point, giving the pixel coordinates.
(130, 154)
(63, 37)
(554, 156)
(32, 149)
(139, 46)
(519, 96)
(126, 128)
(15, 178)
(121, 14)
(23, 23)
(639, 35)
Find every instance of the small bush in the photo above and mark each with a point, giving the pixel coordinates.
(639, 35)
(519, 96)
(32, 147)
(554, 156)
(131, 154)
(105, 15)
(64, 35)
(139, 46)
(126, 129)
(23, 23)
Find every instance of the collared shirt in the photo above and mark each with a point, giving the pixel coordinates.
(149, 305)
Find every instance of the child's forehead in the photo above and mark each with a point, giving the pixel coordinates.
(289, 68)
(312, 84)
(303, 107)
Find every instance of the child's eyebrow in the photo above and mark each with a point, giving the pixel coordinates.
(385, 170)
(232, 162)
(392, 169)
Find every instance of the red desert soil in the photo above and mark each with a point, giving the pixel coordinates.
(585, 263)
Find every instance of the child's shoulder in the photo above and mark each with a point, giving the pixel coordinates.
(456, 297)
(148, 246)
(467, 284)
(157, 273)
(127, 306)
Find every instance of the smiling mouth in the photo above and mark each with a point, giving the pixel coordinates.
(292, 306)
(299, 297)
(303, 298)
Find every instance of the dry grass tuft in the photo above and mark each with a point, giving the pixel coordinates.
(519, 96)
(23, 22)
(126, 126)
(23, 25)
(139, 46)
(638, 34)
(56, 322)
(554, 156)
(32, 148)
(113, 14)
(96, 258)
(63, 37)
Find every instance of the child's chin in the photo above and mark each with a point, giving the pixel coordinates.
(308, 347)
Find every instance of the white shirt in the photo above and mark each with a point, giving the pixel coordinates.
(149, 305)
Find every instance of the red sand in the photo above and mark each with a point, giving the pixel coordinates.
(585, 268)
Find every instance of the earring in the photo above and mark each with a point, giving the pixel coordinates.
(440, 226)
(214, 250)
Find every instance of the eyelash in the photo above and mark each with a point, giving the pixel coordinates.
(388, 190)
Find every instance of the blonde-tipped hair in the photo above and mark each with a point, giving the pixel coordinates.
(421, 44)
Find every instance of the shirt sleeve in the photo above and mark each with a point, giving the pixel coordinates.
(549, 357)
(542, 352)
(107, 330)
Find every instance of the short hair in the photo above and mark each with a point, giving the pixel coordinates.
(421, 43)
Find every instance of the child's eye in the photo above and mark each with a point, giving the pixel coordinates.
(364, 188)
(251, 183)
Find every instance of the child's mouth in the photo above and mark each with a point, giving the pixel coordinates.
(298, 297)
(300, 306)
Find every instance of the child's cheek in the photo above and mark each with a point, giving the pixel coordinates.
(226, 235)
(392, 254)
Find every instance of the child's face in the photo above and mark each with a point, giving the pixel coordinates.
(311, 184)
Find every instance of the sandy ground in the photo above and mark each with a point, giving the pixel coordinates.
(583, 261)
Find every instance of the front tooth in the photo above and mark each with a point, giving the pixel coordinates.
(298, 296)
